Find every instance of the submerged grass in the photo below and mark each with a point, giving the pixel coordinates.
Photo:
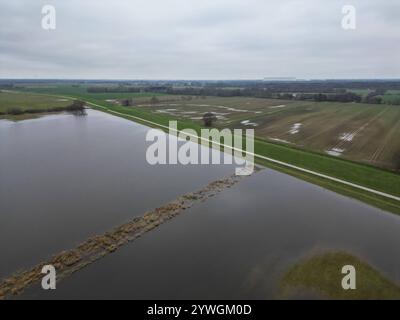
(321, 275)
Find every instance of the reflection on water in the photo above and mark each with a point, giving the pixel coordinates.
(79, 113)
(66, 177)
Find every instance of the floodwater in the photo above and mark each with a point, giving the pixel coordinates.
(64, 178)
(236, 245)
(239, 244)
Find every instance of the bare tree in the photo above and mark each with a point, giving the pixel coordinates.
(209, 118)
(126, 102)
(154, 100)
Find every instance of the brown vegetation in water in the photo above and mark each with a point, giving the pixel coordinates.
(95, 248)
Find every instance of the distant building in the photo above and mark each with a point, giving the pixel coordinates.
(280, 79)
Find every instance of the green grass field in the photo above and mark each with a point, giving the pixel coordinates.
(9, 100)
(350, 171)
(21, 106)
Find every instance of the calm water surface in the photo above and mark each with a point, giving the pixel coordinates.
(239, 244)
(64, 178)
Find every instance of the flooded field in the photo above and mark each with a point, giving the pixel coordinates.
(66, 178)
(242, 243)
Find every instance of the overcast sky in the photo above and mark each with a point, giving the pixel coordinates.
(199, 39)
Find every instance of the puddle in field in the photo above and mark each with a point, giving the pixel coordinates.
(248, 123)
(233, 109)
(198, 105)
(347, 137)
(167, 111)
(337, 152)
(295, 128)
(280, 140)
(280, 106)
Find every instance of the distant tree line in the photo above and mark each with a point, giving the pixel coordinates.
(74, 107)
(340, 97)
(313, 86)
(263, 93)
(375, 97)
(130, 102)
(318, 90)
(119, 89)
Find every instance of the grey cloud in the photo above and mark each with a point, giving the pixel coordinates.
(216, 39)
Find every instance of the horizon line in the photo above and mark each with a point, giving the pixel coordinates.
(269, 79)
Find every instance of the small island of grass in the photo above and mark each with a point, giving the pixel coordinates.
(16, 106)
(321, 275)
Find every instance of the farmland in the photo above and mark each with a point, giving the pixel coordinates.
(360, 132)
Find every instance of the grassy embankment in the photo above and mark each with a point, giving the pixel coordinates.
(364, 175)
